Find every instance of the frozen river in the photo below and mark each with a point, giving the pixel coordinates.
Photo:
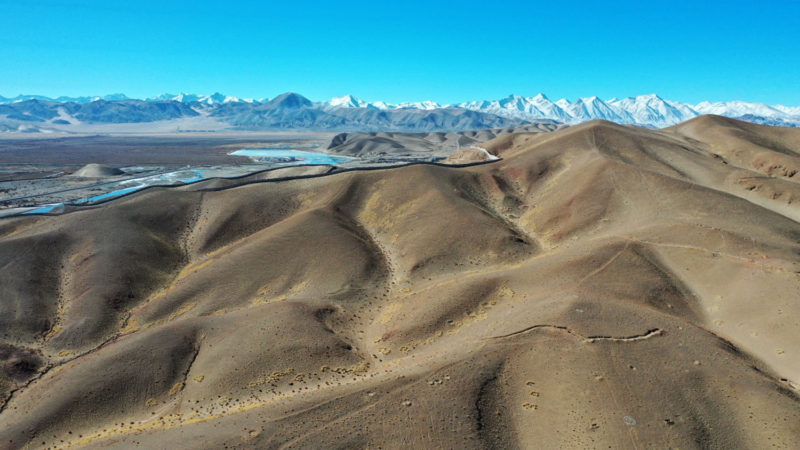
(289, 156)
(263, 159)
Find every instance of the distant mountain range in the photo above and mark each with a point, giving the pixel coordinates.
(187, 112)
(647, 110)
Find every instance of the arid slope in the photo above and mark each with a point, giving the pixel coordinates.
(600, 286)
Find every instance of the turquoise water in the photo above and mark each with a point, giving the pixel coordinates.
(289, 156)
(111, 194)
(272, 156)
(44, 209)
(169, 178)
(49, 208)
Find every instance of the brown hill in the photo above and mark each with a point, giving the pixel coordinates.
(423, 145)
(601, 286)
(96, 171)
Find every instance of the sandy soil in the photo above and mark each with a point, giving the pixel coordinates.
(45, 170)
(161, 149)
(600, 286)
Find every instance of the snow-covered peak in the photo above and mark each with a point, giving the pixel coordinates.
(115, 97)
(647, 110)
(738, 108)
(516, 106)
(540, 97)
(792, 111)
(562, 103)
(425, 105)
(649, 98)
(215, 98)
(653, 110)
(589, 108)
(350, 101)
(381, 105)
(184, 97)
(346, 101)
(547, 108)
(160, 98)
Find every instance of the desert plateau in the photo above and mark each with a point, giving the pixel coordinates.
(590, 286)
(413, 225)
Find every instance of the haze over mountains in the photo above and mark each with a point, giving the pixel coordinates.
(218, 112)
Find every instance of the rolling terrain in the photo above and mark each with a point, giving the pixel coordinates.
(420, 145)
(598, 286)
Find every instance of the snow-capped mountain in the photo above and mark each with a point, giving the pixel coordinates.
(788, 110)
(426, 105)
(539, 107)
(183, 98)
(589, 108)
(738, 108)
(62, 99)
(349, 101)
(548, 108)
(213, 99)
(653, 110)
(646, 110)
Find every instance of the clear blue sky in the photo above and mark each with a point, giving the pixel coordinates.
(446, 51)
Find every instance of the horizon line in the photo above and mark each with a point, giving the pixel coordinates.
(267, 98)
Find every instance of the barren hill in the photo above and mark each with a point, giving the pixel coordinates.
(600, 286)
(96, 171)
(439, 144)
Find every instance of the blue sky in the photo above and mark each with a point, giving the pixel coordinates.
(405, 50)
